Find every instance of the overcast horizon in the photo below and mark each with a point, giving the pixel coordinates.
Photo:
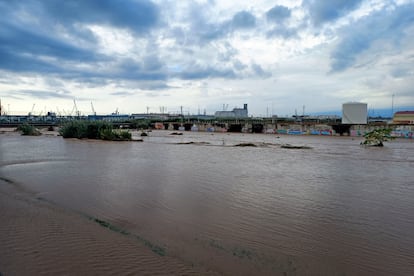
(279, 57)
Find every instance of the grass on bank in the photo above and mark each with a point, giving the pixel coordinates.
(93, 130)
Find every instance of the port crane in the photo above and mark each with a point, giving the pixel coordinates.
(93, 110)
(31, 111)
(75, 108)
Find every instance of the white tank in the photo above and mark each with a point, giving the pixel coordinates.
(354, 113)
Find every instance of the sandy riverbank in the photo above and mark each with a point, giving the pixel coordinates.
(40, 238)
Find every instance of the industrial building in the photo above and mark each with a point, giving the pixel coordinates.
(235, 113)
(403, 117)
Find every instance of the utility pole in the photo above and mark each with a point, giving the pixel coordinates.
(392, 106)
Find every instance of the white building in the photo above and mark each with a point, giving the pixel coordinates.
(354, 113)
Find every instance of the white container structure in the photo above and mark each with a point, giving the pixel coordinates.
(354, 113)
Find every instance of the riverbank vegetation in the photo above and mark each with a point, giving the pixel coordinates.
(377, 137)
(93, 130)
(29, 130)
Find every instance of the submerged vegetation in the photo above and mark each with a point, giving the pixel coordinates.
(377, 137)
(93, 130)
(29, 130)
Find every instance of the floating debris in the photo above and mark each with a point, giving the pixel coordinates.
(193, 143)
(245, 145)
(289, 146)
(176, 133)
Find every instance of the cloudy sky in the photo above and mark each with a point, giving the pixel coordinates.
(138, 55)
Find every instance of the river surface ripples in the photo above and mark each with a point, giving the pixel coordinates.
(335, 208)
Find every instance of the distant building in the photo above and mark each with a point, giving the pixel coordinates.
(111, 117)
(157, 116)
(354, 113)
(235, 113)
(403, 117)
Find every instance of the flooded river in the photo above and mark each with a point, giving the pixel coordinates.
(335, 208)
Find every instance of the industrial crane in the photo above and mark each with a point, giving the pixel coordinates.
(75, 108)
(93, 110)
(31, 112)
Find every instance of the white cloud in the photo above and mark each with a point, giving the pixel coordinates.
(207, 53)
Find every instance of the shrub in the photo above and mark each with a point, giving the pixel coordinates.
(73, 129)
(83, 129)
(27, 129)
(93, 130)
(125, 135)
(107, 134)
(113, 135)
(377, 137)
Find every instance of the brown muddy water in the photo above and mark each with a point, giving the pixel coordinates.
(336, 208)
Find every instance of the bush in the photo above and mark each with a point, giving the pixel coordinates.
(93, 130)
(125, 135)
(113, 135)
(107, 134)
(27, 129)
(73, 129)
(83, 129)
(377, 137)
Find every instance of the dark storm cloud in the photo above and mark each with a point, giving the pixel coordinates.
(385, 25)
(21, 41)
(330, 10)
(52, 37)
(138, 15)
(149, 68)
(43, 36)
